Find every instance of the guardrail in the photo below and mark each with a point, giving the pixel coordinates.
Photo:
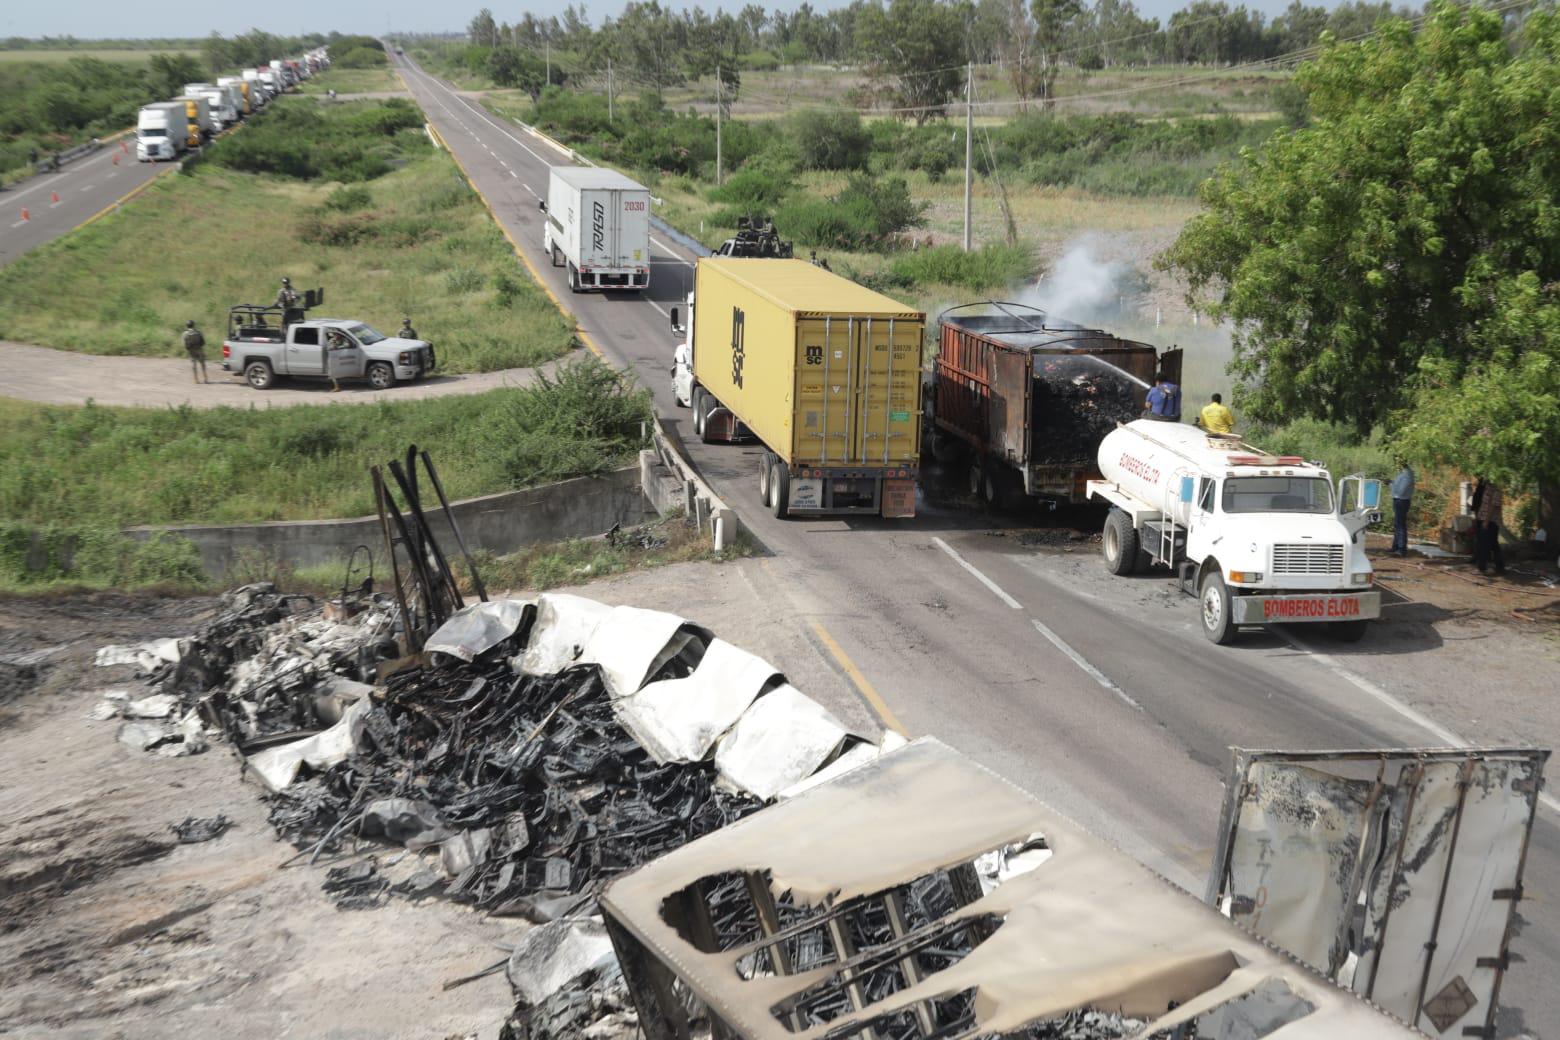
(700, 502)
(59, 159)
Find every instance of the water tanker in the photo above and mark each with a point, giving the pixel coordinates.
(1257, 538)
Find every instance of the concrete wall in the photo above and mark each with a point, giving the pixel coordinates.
(499, 523)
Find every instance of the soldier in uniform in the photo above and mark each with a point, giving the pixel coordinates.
(195, 347)
(288, 300)
(407, 332)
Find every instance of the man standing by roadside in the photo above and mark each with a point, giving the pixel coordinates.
(1487, 506)
(195, 347)
(407, 332)
(1402, 498)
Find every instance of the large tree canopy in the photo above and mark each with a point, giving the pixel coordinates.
(1400, 256)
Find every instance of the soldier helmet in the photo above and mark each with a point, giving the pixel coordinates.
(287, 281)
(406, 321)
(190, 324)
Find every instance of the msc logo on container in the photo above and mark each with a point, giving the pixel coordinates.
(738, 354)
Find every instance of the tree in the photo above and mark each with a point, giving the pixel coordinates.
(1398, 260)
(1052, 18)
(1020, 52)
(482, 29)
(166, 74)
(920, 45)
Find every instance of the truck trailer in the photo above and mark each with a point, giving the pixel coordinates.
(598, 223)
(161, 132)
(238, 88)
(1257, 538)
(202, 120)
(223, 111)
(1024, 398)
(824, 372)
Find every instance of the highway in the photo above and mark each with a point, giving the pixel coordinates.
(1099, 694)
(29, 216)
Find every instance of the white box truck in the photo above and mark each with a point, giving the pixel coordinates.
(1258, 538)
(258, 94)
(160, 132)
(598, 223)
(221, 102)
(200, 114)
(238, 90)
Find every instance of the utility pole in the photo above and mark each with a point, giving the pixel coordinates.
(609, 90)
(969, 148)
(720, 103)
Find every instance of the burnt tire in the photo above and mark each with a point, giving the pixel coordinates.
(258, 375)
(1119, 544)
(1347, 631)
(381, 376)
(1216, 608)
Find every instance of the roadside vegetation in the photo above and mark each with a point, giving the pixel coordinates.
(351, 197)
(74, 476)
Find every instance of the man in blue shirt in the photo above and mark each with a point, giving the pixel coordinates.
(1402, 498)
(1164, 402)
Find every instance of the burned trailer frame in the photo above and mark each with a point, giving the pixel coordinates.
(1393, 872)
(1028, 397)
(862, 908)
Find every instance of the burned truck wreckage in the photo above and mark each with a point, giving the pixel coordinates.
(697, 847)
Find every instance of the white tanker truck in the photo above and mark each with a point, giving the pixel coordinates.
(1257, 538)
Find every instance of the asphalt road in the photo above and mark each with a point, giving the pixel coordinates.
(1098, 694)
(29, 216)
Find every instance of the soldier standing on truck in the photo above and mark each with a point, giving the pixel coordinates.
(287, 300)
(195, 347)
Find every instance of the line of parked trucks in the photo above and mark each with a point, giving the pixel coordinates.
(827, 376)
(168, 129)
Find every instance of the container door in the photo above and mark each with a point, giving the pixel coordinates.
(1170, 366)
(825, 386)
(1011, 399)
(598, 226)
(634, 234)
(886, 430)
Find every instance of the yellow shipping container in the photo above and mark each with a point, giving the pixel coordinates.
(824, 371)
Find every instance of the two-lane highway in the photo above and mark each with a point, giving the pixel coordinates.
(1106, 701)
(47, 205)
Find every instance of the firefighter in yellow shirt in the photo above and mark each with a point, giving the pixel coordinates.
(1215, 418)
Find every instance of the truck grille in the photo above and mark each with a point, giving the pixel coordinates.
(1307, 559)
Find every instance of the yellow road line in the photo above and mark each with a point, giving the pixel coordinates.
(536, 276)
(126, 197)
(863, 685)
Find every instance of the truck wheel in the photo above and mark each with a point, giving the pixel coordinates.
(697, 404)
(258, 374)
(381, 376)
(574, 279)
(766, 468)
(1119, 542)
(1347, 631)
(779, 489)
(945, 449)
(977, 483)
(1213, 600)
(707, 405)
(555, 255)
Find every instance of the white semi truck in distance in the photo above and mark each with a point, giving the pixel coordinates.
(1258, 539)
(218, 99)
(598, 223)
(161, 132)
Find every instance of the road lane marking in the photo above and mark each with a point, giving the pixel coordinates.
(1082, 662)
(863, 685)
(1381, 696)
(19, 223)
(658, 307)
(669, 249)
(967, 565)
(89, 187)
(516, 176)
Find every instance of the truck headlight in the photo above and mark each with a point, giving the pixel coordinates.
(406, 357)
(1360, 578)
(1245, 577)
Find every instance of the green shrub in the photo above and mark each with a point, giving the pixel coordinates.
(302, 139)
(578, 422)
(993, 266)
(830, 139)
(40, 555)
(348, 199)
(868, 214)
(505, 290)
(359, 58)
(463, 280)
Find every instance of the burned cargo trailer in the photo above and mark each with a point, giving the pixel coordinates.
(1024, 398)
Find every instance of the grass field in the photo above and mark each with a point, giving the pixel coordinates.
(353, 81)
(130, 55)
(415, 242)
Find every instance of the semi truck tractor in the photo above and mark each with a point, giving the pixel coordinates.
(238, 89)
(1258, 538)
(161, 132)
(598, 224)
(1022, 398)
(825, 373)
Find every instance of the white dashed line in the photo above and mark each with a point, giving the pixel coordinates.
(1082, 662)
(19, 223)
(967, 565)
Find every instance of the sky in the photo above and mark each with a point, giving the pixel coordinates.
(96, 19)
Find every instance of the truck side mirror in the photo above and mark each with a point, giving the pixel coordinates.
(1188, 489)
(541, 204)
(677, 325)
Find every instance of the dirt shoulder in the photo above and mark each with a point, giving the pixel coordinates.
(60, 377)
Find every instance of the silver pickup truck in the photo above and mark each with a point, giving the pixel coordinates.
(322, 348)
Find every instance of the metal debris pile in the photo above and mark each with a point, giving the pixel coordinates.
(1078, 399)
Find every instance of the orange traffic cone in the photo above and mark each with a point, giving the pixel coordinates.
(123, 147)
(25, 214)
(54, 197)
(116, 160)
